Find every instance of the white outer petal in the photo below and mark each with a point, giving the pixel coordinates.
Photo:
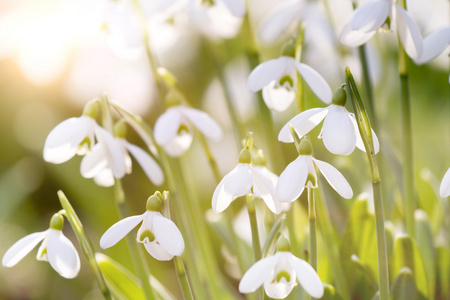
(335, 179)
(303, 123)
(167, 125)
(444, 189)
(338, 132)
(258, 274)
(236, 7)
(292, 181)
(94, 162)
(353, 38)
(204, 122)
(179, 144)
(62, 255)
(316, 82)
(62, 142)
(433, 44)
(307, 277)
(119, 230)
(221, 199)
(265, 72)
(277, 98)
(147, 163)
(263, 187)
(21, 248)
(239, 180)
(157, 251)
(115, 152)
(168, 235)
(371, 15)
(409, 34)
(104, 178)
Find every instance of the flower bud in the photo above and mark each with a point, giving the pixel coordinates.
(57, 222)
(339, 96)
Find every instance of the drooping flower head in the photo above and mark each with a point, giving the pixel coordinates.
(161, 237)
(340, 131)
(279, 274)
(301, 173)
(55, 248)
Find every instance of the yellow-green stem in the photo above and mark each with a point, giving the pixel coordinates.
(312, 229)
(255, 233)
(136, 252)
(182, 276)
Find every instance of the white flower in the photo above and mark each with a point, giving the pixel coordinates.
(278, 80)
(55, 248)
(444, 190)
(102, 166)
(340, 131)
(160, 236)
(301, 173)
(173, 129)
(364, 22)
(278, 273)
(239, 182)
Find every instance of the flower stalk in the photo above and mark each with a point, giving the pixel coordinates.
(366, 134)
(312, 229)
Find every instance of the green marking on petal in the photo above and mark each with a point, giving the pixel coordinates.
(146, 234)
(84, 146)
(183, 128)
(288, 79)
(311, 179)
(285, 275)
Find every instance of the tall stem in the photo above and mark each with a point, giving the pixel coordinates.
(312, 229)
(255, 234)
(136, 253)
(367, 84)
(182, 276)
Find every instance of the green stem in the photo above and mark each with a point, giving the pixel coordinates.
(368, 85)
(312, 229)
(210, 157)
(85, 243)
(255, 233)
(136, 253)
(290, 220)
(182, 276)
(299, 92)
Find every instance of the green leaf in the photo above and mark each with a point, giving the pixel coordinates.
(407, 254)
(330, 293)
(426, 247)
(404, 287)
(443, 267)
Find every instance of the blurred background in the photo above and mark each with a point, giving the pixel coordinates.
(56, 55)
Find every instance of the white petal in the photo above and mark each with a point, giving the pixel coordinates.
(277, 98)
(168, 235)
(207, 125)
(115, 152)
(167, 125)
(354, 38)
(63, 141)
(292, 181)
(62, 255)
(221, 199)
(239, 180)
(303, 123)
(371, 15)
(409, 34)
(179, 144)
(147, 163)
(278, 22)
(263, 187)
(278, 290)
(316, 82)
(105, 178)
(119, 230)
(359, 141)
(444, 189)
(338, 132)
(433, 44)
(265, 73)
(257, 274)
(157, 251)
(94, 162)
(21, 248)
(307, 277)
(236, 7)
(335, 179)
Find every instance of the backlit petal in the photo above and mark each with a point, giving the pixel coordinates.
(263, 187)
(354, 38)
(62, 255)
(307, 277)
(119, 230)
(359, 141)
(168, 235)
(204, 122)
(147, 163)
(94, 162)
(433, 44)
(292, 181)
(236, 7)
(239, 180)
(104, 178)
(316, 82)
(409, 34)
(167, 125)
(21, 248)
(277, 98)
(257, 274)
(371, 15)
(221, 199)
(444, 189)
(265, 73)
(335, 179)
(278, 290)
(157, 251)
(115, 152)
(303, 123)
(179, 144)
(338, 132)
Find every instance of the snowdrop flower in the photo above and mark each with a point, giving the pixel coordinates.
(160, 236)
(364, 22)
(444, 190)
(301, 173)
(174, 128)
(97, 165)
(55, 248)
(279, 273)
(340, 132)
(278, 80)
(242, 180)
